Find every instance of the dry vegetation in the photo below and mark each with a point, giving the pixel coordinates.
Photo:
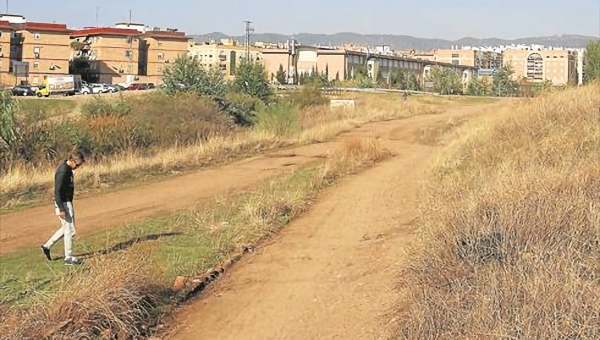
(124, 142)
(510, 243)
(124, 294)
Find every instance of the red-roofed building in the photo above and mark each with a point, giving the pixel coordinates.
(159, 49)
(44, 46)
(5, 32)
(106, 54)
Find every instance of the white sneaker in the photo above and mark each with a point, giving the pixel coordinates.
(72, 261)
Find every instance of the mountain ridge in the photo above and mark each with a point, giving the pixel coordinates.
(400, 42)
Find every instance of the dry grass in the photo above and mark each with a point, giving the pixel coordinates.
(510, 237)
(125, 294)
(110, 296)
(24, 185)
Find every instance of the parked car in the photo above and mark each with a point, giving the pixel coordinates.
(99, 88)
(113, 88)
(22, 90)
(85, 89)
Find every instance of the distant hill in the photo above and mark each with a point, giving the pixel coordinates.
(400, 42)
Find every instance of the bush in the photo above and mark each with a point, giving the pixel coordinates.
(100, 107)
(110, 127)
(309, 95)
(281, 118)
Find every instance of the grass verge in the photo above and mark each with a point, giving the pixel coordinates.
(124, 290)
(39, 109)
(510, 228)
(23, 187)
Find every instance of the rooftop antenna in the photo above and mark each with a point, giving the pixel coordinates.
(130, 17)
(97, 16)
(6, 6)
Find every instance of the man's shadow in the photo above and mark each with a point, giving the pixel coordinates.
(122, 245)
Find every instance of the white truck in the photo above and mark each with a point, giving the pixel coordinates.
(66, 85)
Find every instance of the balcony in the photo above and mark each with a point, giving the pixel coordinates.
(86, 54)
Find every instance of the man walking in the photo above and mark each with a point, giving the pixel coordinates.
(64, 189)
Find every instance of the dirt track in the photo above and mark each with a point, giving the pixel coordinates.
(329, 274)
(31, 227)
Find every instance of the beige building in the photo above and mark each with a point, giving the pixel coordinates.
(6, 79)
(224, 54)
(456, 57)
(487, 62)
(558, 66)
(342, 63)
(105, 55)
(159, 49)
(45, 47)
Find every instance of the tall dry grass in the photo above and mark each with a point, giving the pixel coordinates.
(124, 295)
(316, 124)
(511, 228)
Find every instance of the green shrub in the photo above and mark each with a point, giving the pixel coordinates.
(111, 127)
(101, 107)
(281, 118)
(309, 95)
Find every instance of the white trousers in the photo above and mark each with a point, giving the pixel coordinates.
(67, 229)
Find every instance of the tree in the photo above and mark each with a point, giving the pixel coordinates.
(404, 80)
(445, 80)
(479, 86)
(592, 61)
(250, 79)
(281, 75)
(502, 85)
(187, 75)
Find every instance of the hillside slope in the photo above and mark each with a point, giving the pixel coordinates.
(399, 42)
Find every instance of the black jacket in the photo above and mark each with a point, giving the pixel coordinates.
(64, 185)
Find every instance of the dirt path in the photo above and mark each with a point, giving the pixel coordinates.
(329, 274)
(31, 227)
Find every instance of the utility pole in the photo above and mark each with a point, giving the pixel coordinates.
(249, 29)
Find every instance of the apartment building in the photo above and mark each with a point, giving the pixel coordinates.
(43, 46)
(342, 64)
(6, 78)
(158, 49)
(558, 66)
(487, 62)
(105, 55)
(224, 54)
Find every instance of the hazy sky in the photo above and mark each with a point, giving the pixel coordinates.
(446, 19)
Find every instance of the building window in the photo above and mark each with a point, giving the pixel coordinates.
(36, 65)
(454, 55)
(36, 52)
(535, 66)
(36, 36)
(454, 62)
(161, 56)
